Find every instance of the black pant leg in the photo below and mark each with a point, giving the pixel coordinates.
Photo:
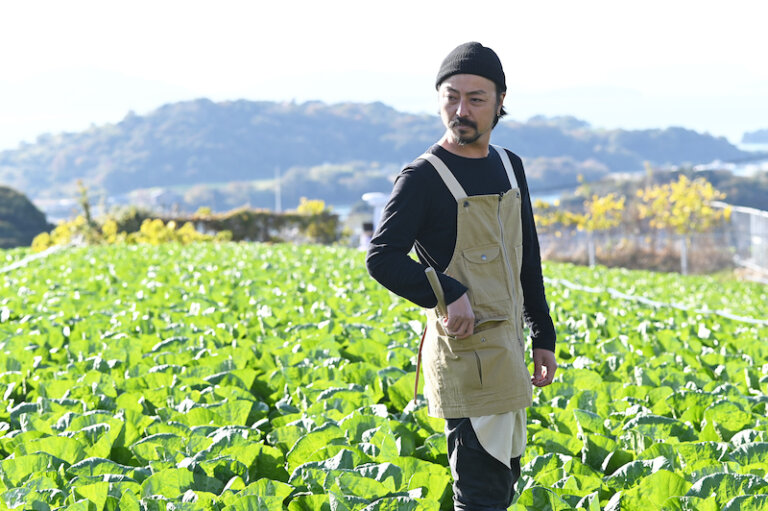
(480, 481)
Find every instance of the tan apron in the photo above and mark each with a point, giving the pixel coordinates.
(484, 374)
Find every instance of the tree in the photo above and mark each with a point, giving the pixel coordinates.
(600, 214)
(683, 207)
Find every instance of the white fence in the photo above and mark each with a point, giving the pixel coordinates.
(743, 242)
(748, 236)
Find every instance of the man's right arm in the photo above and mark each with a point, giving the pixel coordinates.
(405, 219)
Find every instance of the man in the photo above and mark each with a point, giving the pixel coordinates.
(464, 205)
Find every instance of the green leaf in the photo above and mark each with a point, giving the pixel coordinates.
(572, 488)
(313, 441)
(433, 478)
(388, 443)
(726, 486)
(630, 474)
(590, 422)
(15, 471)
(268, 488)
(352, 483)
(692, 452)
(309, 503)
(389, 474)
(313, 474)
(403, 504)
(197, 501)
(346, 502)
(96, 493)
(344, 400)
(160, 447)
(690, 504)
(82, 505)
(256, 503)
(689, 406)
(582, 379)
(433, 425)
(552, 441)
(136, 422)
(169, 483)
(747, 503)
(653, 491)
(434, 449)
(661, 428)
(545, 463)
(596, 450)
(35, 499)
(750, 453)
(538, 498)
(64, 448)
(101, 466)
(401, 392)
(129, 502)
(262, 461)
(223, 468)
(100, 438)
(589, 502)
(357, 423)
(727, 419)
(285, 437)
(239, 412)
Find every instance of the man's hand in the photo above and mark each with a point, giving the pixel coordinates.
(460, 322)
(544, 367)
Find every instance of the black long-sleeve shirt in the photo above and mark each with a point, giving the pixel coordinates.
(421, 212)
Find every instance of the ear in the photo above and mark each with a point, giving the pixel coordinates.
(501, 103)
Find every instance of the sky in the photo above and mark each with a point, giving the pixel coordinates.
(68, 66)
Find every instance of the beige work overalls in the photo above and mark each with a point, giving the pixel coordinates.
(484, 374)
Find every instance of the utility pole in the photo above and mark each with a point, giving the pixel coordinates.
(278, 198)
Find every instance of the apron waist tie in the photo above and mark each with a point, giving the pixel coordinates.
(418, 365)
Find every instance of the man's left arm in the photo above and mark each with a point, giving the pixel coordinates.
(535, 307)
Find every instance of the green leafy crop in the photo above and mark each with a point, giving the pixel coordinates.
(261, 377)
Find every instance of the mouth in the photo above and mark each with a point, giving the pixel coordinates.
(460, 122)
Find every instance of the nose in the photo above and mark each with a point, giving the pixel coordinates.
(462, 109)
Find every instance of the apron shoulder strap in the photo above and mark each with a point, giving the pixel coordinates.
(448, 178)
(507, 166)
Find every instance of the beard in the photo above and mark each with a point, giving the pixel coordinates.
(464, 139)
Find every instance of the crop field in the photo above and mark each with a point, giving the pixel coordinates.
(278, 377)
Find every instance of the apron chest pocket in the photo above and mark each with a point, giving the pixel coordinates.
(485, 274)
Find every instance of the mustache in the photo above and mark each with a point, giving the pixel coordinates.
(462, 121)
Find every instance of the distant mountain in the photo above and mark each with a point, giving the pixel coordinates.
(755, 137)
(202, 143)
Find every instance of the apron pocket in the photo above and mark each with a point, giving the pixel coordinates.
(485, 275)
(501, 359)
(490, 359)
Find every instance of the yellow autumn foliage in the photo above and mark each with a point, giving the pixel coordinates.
(683, 206)
(601, 213)
(310, 206)
(152, 231)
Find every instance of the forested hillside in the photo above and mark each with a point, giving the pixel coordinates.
(20, 220)
(204, 143)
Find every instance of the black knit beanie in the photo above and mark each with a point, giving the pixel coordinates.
(473, 59)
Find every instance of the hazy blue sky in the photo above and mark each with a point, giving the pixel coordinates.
(697, 64)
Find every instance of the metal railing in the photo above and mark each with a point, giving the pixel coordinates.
(748, 236)
(741, 241)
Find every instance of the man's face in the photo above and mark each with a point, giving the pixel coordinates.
(468, 107)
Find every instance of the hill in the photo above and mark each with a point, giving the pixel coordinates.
(755, 137)
(202, 143)
(20, 220)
